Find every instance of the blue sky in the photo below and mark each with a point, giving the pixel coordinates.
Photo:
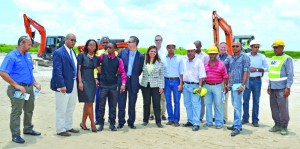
(183, 21)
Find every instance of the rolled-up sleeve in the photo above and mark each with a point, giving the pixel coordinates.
(246, 63)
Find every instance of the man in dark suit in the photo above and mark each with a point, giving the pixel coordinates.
(133, 64)
(64, 84)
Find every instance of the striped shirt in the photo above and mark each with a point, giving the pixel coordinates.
(216, 73)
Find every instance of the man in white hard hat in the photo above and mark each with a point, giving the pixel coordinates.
(193, 75)
(258, 65)
(173, 67)
(281, 74)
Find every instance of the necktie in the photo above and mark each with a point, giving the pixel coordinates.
(71, 55)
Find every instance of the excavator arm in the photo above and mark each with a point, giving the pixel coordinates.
(217, 22)
(27, 22)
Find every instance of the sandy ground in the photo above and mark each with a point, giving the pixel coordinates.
(149, 136)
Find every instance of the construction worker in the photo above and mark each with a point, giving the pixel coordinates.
(258, 65)
(216, 76)
(281, 73)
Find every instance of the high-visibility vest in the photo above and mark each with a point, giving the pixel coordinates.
(275, 68)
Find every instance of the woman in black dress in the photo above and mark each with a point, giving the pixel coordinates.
(87, 61)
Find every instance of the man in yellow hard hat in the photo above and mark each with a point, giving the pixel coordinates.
(281, 73)
(216, 76)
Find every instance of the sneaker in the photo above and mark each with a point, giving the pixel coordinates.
(275, 128)
(284, 131)
(219, 127)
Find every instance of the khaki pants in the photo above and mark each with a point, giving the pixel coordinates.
(162, 105)
(17, 105)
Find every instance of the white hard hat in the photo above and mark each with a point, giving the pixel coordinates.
(171, 42)
(254, 42)
(190, 46)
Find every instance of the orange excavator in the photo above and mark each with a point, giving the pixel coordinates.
(48, 44)
(120, 44)
(217, 22)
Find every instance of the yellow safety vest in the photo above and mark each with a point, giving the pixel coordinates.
(275, 68)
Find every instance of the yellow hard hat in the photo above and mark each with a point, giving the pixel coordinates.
(278, 42)
(212, 49)
(202, 92)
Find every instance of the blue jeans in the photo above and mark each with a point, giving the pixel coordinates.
(255, 88)
(236, 100)
(214, 96)
(172, 86)
(192, 104)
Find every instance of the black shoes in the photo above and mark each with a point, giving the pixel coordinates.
(112, 128)
(255, 124)
(32, 132)
(120, 126)
(159, 125)
(18, 139)
(145, 124)
(151, 117)
(163, 117)
(169, 123)
(176, 124)
(245, 122)
(100, 128)
(188, 124)
(235, 132)
(232, 128)
(132, 126)
(195, 128)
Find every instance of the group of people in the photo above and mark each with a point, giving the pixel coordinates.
(105, 74)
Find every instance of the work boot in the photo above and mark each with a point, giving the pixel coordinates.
(275, 128)
(284, 130)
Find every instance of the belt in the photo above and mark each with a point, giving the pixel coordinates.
(24, 84)
(128, 77)
(213, 83)
(253, 78)
(191, 82)
(172, 78)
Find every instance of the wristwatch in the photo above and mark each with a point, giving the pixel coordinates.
(256, 69)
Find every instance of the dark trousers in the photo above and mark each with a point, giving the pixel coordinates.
(279, 107)
(112, 103)
(122, 98)
(148, 94)
(17, 105)
(97, 101)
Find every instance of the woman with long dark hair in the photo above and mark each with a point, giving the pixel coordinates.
(87, 61)
(152, 85)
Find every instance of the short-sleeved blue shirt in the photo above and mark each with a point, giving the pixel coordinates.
(237, 67)
(18, 66)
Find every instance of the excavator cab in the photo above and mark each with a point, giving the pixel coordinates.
(245, 41)
(52, 43)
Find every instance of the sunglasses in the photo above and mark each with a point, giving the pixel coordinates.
(73, 40)
(130, 41)
(158, 40)
(255, 46)
(235, 46)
